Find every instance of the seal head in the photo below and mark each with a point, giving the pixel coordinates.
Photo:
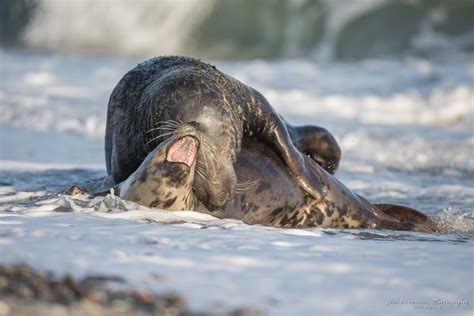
(165, 178)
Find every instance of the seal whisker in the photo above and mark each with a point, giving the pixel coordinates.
(161, 135)
(200, 171)
(244, 186)
(170, 127)
(200, 164)
(161, 128)
(210, 155)
(205, 156)
(169, 122)
(174, 127)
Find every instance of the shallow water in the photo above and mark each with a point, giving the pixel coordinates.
(406, 131)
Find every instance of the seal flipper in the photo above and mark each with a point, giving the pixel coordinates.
(402, 213)
(276, 134)
(318, 143)
(270, 127)
(405, 214)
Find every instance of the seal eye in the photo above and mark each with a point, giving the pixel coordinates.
(183, 150)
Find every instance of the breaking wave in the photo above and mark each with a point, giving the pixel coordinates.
(323, 29)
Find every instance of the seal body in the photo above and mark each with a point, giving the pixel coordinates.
(158, 95)
(270, 195)
(274, 199)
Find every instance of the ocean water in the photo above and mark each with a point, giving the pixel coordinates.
(321, 29)
(406, 131)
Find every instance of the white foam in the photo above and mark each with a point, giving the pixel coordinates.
(19, 196)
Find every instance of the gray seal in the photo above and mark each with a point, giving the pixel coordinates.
(156, 97)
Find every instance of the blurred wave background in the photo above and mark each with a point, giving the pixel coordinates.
(245, 29)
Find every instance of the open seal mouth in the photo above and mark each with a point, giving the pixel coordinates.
(184, 150)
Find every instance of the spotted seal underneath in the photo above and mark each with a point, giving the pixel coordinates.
(271, 196)
(158, 95)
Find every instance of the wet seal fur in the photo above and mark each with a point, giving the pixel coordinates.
(272, 196)
(159, 94)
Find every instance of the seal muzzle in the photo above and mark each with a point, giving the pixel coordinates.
(183, 150)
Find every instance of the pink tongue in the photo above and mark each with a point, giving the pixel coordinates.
(183, 150)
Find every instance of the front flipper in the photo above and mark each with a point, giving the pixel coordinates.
(263, 122)
(276, 135)
(318, 143)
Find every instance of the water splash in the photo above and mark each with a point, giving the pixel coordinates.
(456, 220)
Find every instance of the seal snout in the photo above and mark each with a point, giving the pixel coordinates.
(183, 150)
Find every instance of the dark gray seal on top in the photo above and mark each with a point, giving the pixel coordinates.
(158, 95)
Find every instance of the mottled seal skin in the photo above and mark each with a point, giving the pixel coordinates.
(277, 201)
(159, 183)
(271, 195)
(164, 91)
